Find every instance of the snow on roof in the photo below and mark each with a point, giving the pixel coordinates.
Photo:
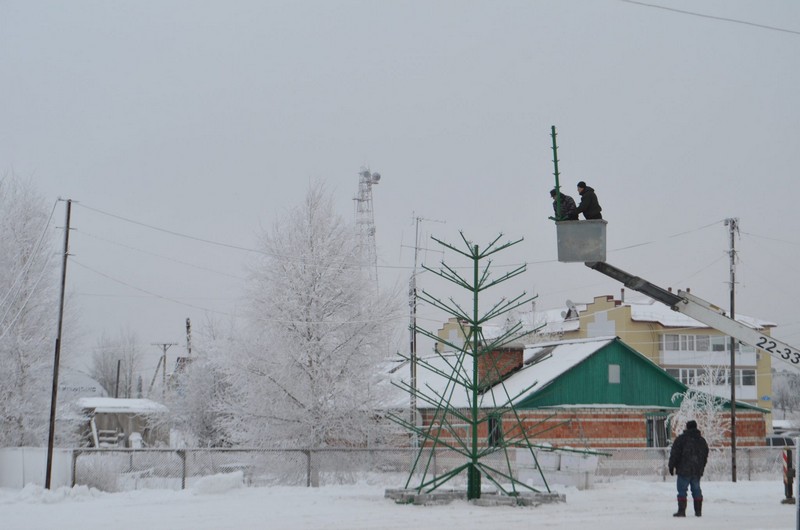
(648, 310)
(549, 321)
(531, 378)
(120, 405)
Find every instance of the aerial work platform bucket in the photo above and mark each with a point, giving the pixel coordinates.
(582, 241)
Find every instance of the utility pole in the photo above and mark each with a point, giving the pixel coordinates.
(188, 337)
(57, 360)
(412, 294)
(116, 386)
(733, 228)
(163, 364)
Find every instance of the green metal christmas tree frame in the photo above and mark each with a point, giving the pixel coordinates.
(441, 432)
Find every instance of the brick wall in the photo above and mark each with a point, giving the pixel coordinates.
(591, 427)
(493, 366)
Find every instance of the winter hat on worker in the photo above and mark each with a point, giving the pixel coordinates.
(581, 184)
(553, 192)
(691, 424)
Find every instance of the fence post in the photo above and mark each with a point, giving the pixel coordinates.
(75, 453)
(664, 465)
(308, 467)
(749, 462)
(182, 455)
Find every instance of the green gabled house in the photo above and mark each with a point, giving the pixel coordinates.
(595, 392)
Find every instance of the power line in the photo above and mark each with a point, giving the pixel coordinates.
(354, 264)
(173, 300)
(193, 265)
(27, 299)
(171, 232)
(29, 263)
(713, 17)
(772, 239)
(156, 295)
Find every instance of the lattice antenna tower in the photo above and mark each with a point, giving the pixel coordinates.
(365, 220)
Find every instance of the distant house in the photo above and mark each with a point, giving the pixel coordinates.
(596, 392)
(115, 422)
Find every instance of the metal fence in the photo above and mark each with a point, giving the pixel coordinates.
(752, 463)
(132, 469)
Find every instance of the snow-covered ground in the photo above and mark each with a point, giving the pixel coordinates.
(220, 502)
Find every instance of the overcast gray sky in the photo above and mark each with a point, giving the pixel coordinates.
(209, 119)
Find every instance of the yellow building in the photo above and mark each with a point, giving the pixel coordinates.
(681, 345)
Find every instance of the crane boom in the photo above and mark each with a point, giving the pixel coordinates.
(704, 312)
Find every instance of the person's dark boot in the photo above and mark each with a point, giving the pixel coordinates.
(698, 507)
(681, 509)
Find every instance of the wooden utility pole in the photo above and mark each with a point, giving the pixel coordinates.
(163, 363)
(733, 227)
(57, 360)
(116, 386)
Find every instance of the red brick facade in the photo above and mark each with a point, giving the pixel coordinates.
(492, 367)
(592, 427)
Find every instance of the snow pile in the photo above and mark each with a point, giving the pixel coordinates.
(219, 483)
(38, 495)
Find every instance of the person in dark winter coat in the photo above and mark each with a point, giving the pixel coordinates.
(688, 458)
(589, 206)
(568, 207)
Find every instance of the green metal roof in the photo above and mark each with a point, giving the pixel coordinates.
(642, 383)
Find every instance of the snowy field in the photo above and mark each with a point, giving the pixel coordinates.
(220, 502)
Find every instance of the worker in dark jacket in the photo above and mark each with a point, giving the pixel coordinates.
(568, 207)
(688, 457)
(589, 206)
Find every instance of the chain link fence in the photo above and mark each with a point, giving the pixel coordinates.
(132, 469)
(752, 463)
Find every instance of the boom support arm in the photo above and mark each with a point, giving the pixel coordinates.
(704, 312)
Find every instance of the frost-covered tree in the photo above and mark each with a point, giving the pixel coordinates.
(121, 351)
(28, 309)
(305, 370)
(199, 390)
(705, 408)
(193, 400)
(786, 391)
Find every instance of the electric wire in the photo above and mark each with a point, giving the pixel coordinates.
(713, 17)
(27, 299)
(214, 311)
(147, 252)
(355, 264)
(145, 291)
(27, 265)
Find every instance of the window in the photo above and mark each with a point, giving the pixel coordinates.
(721, 376)
(688, 376)
(495, 431)
(719, 343)
(687, 342)
(700, 376)
(613, 374)
(657, 431)
(671, 342)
